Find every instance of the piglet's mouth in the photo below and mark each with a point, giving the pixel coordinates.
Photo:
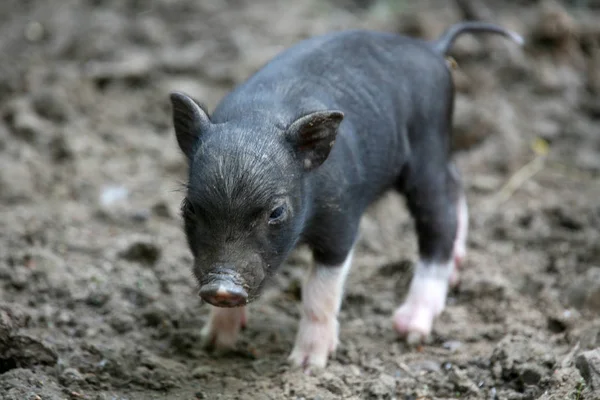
(223, 291)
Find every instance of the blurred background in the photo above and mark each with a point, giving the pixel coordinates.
(97, 299)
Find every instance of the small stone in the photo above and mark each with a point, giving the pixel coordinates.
(122, 323)
(64, 317)
(588, 364)
(70, 376)
(201, 371)
(20, 278)
(97, 298)
(60, 149)
(113, 194)
(452, 345)
(161, 209)
(141, 250)
(554, 24)
(34, 31)
(355, 370)
(28, 127)
(155, 315)
(141, 215)
(52, 104)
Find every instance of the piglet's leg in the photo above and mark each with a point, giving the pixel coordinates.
(223, 327)
(318, 331)
(460, 242)
(437, 204)
(425, 300)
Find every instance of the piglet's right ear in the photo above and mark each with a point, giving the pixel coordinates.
(190, 121)
(313, 136)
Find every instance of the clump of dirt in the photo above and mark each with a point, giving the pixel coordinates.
(97, 299)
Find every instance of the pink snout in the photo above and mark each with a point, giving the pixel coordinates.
(223, 292)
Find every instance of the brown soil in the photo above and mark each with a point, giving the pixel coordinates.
(97, 299)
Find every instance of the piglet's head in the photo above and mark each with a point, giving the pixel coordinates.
(247, 198)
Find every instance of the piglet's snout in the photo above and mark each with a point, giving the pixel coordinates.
(223, 292)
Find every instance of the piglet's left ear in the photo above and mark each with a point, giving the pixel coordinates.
(190, 122)
(312, 136)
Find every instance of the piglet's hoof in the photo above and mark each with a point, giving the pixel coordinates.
(414, 323)
(315, 341)
(425, 301)
(223, 328)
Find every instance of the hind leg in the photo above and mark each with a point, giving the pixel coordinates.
(436, 202)
(460, 242)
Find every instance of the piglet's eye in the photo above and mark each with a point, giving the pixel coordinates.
(278, 214)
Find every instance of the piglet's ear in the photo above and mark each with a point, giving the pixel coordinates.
(312, 136)
(190, 121)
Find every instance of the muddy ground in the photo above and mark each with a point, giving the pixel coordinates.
(97, 299)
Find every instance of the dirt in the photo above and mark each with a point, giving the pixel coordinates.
(97, 299)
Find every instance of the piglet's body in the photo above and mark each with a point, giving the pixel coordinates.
(299, 151)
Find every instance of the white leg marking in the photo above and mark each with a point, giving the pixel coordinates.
(223, 327)
(425, 300)
(460, 242)
(318, 331)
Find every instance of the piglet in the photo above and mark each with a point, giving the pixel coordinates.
(297, 153)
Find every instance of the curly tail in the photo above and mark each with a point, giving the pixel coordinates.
(444, 42)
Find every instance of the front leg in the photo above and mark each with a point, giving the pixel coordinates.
(223, 327)
(318, 331)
